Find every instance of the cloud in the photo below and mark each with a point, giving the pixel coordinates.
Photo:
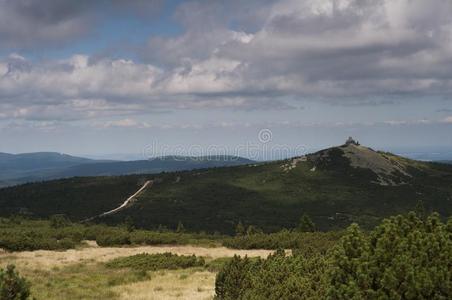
(327, 48)
(31, 24)
(235, 55)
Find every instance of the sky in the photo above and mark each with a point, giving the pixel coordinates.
(146, 78)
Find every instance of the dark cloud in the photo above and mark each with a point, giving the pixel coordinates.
(26, 24)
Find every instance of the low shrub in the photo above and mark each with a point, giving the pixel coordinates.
(285, 239)
(12, 285)
(403, 258)
(154, 262)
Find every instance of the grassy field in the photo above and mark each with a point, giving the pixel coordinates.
(82, 274)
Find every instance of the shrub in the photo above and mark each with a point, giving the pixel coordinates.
(277, 277)
(404, 258)
(303, 241)
(233, 280)
(13, 286)
(59, 221)
(113, 238)
(306, 224)
(154, 262)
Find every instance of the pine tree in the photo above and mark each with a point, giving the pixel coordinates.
(13, 286)
(180, 227)
(306, 224)
(240, 229)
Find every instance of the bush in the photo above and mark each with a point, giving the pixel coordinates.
(154, 262)
(13, 286)
(277, 277)
(404, 258)
(233, 280)
(59, 221)
(304, 241)
(113, 238)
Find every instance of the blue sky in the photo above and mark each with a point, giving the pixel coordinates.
(103, 77)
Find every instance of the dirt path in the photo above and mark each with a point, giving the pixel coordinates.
(125, 204)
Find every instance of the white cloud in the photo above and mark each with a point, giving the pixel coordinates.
(323, 49)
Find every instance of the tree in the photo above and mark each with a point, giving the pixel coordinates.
(306, 224)
(59, 221)
(180, 227)
(420, 211)
(240, 229)
(129, 224)
(13, 286)
(253, 230)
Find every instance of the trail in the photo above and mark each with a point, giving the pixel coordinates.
(123, 205)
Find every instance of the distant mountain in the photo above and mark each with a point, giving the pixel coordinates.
(31, 167)
(335, 186)
(35, 166)
(152, 166)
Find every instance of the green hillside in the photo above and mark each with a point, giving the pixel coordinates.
(334, 187)
(78, 197)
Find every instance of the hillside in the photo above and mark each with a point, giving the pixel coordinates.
(335, 186)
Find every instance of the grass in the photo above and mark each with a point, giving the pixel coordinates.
(82, 274)
(80, 281)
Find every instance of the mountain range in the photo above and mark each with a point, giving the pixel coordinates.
(41, 166)
(334, 186)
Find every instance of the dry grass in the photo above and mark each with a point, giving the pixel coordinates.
(80, 274)
(165, 285)
(45, 259)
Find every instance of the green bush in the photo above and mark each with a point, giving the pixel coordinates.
(304, 241)
(147, 261)
(404, 258)
(113, 238)
(59, 221)
(277, 277)
(12, 285)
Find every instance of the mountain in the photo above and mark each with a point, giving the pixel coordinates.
(35, 166)
(32, 167)
(335, 186)
(157, 165)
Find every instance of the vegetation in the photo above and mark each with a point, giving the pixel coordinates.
(82, 281)
(268, 196)
(76, 198)
(403, 258)
(20, 234)
(152, 262)
(306, 224)
(12, 285)
(285, 239)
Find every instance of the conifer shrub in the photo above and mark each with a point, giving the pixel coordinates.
(405, 257)
(12, 285)
(152, 262)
